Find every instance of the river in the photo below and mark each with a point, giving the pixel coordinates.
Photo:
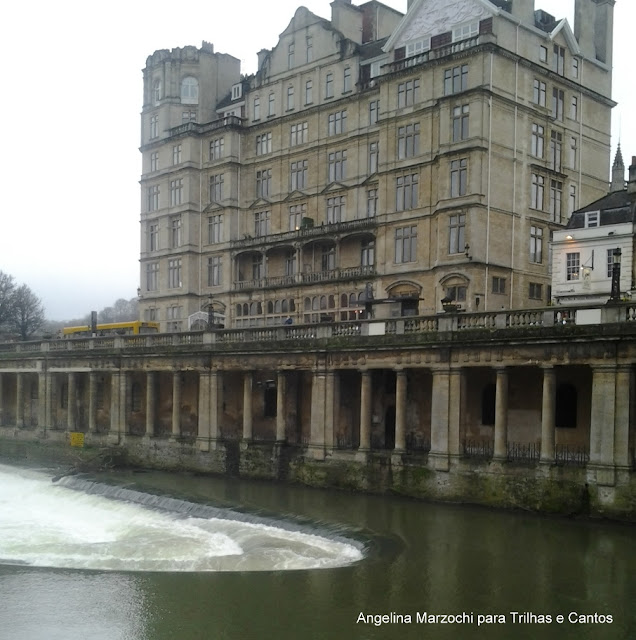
(187, 557)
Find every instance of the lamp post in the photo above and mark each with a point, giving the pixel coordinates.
(615, 294)
(210, 312)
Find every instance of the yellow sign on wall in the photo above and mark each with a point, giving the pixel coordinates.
(76, 439)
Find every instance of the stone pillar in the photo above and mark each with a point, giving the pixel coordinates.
(71, 401)
(151, 404)
(216, 403)
(400, 410)
(440, 402)
(501, 416)
(19, 400)
(548, 415)
(92, 402)
(116, 401)
(203, 435)
(603, 421)
(365, 411)
(43, 400)
(1, 400)
(455, 411)
(318, 416)
(624, 387)
(330, 410)
(176, 404)
(281, 412)
(247, 405)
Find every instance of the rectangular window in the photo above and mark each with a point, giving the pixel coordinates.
(310, 49)
(217, 148)
(215, 229)
(459, 177)
(575, 68)
(153, 237)
(290, 98)
(216, 188)
(535, 291)
(174, 273)
(556, 150)
(296, 214)
(457, 233)
(558, 60)
(328, 259)
(465, 31)
(261, 223)
(263, 183)
(538, 133)
(367, 253)
(460, 123)
(574, 108)
(374, 150)
(572, 199)
(498, 285)
(329, 85)
(258, 268)
(298, 134)
(337, 123)
(153, 198)
(406, 192)
(291, 264)
(335, 209)
(556, 199)
(537, 191)
(176, 154)
(346, 85)
(572, 266)
(539, 93)
(456, 293)
(543, 54)
(405, 244)
(408, 93)
(374, 108)
(536, 245)
(309, 92)
(610, 262)
(154, 127)
(408, 141)
(557, 103)
(290, 55)
(154, 161)
(256, 111)
(591, 219)
(372, 202)
(188, 116)
(455, 80)
(175, 232)
(214, 271)
(298, 175)
(573, 154)
(271, 105)
(264, 143)
(173, 315)
(176, 192)
(336, 165)
(152, 276)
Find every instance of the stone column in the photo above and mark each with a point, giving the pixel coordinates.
(624, 386)
(365, 411)
(116, 401)
(440, 402)
(280, 406)
(548, 415)
(50, 420)
(176, 404)
(43, 388)
(1, 400)
(603, 421)
(92, 402)
(247, 405)
(400, 410)
(71, 401)
(19, 400)
(151, 404)
(330, 410)
(203, 435)
(455, 411)
(318, 415)
(501, 416)
(216, 402)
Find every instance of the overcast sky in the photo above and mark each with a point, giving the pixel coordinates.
(72, 95)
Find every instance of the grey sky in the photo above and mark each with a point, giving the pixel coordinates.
(70, 223)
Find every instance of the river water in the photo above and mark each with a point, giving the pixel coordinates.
(184, 557)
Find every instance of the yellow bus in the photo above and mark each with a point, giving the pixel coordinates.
(133, 328)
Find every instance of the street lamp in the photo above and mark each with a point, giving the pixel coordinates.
(210, 312)
(615, 295)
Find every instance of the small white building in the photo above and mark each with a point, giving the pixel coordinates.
(584, 253)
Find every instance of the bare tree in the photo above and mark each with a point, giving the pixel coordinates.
(27, 313)
(7, 289)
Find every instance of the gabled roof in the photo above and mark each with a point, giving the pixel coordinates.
(564, 26)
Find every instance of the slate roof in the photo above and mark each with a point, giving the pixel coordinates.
(615, 207)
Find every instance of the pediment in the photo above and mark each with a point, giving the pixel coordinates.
(295, 195)
(369, 179)
(213, 206)
(260, 203)
(565, 30)
(428, 18)
(334, 186)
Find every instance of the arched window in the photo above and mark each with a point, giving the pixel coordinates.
(246, 309)
(332, 302)
(239, 310)
(277, 306)
(285, 306)
(323, 302)
(270, 306)
(566, 401)
(344, 300)
(307, 304)
(292, 305)
(315, 303)
(189, 90)
(156, 91)
(488, 396)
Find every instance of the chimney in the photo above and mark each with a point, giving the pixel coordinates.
(523, 10)
(631, 184)
(262, 54)
(593, 28)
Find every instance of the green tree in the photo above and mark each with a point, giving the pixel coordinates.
(27, 313)
(7, 289)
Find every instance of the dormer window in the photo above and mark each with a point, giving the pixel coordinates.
(189, 90)
(465, 31)
(237, 91)
(592, 219)
(418, 46)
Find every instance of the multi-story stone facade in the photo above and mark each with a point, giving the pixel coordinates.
(374, 155)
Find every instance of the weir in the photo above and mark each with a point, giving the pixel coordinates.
(531, 409)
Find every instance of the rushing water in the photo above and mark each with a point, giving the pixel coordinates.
(240, 560)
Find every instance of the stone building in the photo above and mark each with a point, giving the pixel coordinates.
(373, 156)
(598, 237)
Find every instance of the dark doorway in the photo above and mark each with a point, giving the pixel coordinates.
(389, 428)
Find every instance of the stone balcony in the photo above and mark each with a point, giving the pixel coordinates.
(331, 275)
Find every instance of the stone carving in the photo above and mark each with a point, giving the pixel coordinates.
(435, 17)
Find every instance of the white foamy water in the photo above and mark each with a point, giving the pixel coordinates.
(49, 525)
